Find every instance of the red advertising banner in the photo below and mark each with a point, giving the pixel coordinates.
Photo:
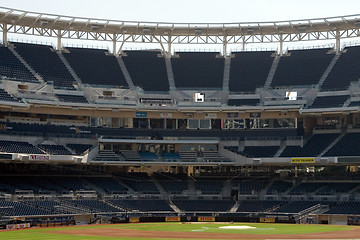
(17, 226)
(172, 219)
(206, 219)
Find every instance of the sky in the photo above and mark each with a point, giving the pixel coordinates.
(190, 11)
(195, 11)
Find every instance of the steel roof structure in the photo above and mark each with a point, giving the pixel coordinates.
(166, 34)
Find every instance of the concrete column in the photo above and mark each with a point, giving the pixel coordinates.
(5, 31)
(281, 45)
(337, 37)
(59, 40)
(114, 45)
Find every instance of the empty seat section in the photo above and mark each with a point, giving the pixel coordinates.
(296, 206)
(348, 145)
(354, 104)
(71, 98)
(96, 67)
(329, 101)
(334, 187)
(147, 70)
(204, 205)
(171, 156)
(345, 208)
(175, 187)
(312, 148)
(278, 187)
(11, 67)
(345, 70)
(246, 188)
(307, 187)
(78, 148)
(5, 96)
(243, 102)
(143, 186)
(209, 187)
(55, 149)
(302, 67)
(258, 206)
(19, 147)
(249, 70)
(259, 151)
(46, 62)
(143, 205)
(198, 70)
(109, 185)
(214, 156)
(93, 206)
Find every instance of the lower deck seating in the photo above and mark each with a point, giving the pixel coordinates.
(18, 147)
(143, 205)
(258, 206)
(55, 149)
(209, 187)
(348, 145)
(79, 149)
(296, 206)
(204, 205)
(5, 96)
(345, 208)
(312, 148)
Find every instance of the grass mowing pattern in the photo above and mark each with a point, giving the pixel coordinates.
(44, 233)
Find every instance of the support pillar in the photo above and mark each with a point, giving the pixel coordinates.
(5, 31)
(337, 37)
(169, 48)
(114, 45)
(225, 47)
(281, 45)
(59, 40)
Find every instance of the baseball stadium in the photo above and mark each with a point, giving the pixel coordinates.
(116, 143)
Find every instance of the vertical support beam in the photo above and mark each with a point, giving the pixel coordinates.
(114, 45)
(59, 40)
(169, 47)
(5, 39)
(337, 37)
(225, 47)
(281, 45)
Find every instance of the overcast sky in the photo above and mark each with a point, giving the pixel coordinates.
(188, 11)
(219, 11)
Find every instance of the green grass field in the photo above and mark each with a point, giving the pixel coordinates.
(265, 228)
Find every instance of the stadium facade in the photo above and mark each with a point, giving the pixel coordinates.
(157, 134)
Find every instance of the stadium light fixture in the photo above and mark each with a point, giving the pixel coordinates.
(302, 28)
(250, 31)
(198, 31)
(146, 30)
(95, 27)
(44, 23)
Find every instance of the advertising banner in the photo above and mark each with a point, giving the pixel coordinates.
(172, 219)
(302, 160)
(35, 157)
(206, 219)
(134, 220)
(17, 226)
(267, 220)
